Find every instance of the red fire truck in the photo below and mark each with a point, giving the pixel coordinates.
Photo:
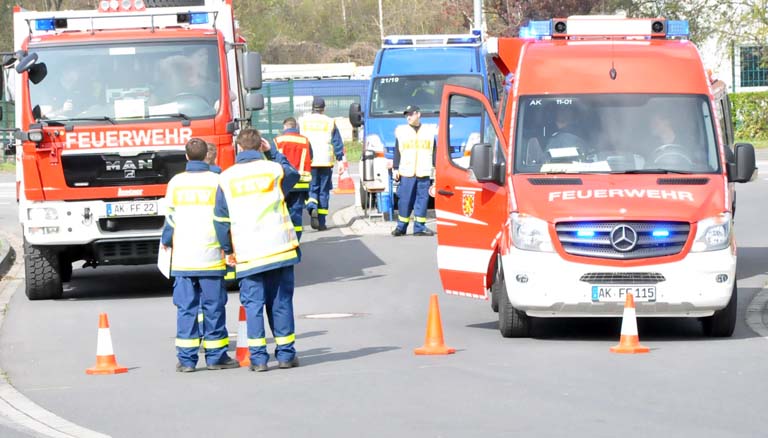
(608, 170)
(105, 101)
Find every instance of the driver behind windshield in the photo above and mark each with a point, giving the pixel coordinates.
(73, 93)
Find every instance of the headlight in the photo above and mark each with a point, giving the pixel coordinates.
(530, 233)
(713, 233)
(42, 214)
(374, 143)
(35, 135)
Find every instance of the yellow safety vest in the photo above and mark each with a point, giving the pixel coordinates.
(415, 150)
(319, 129)
(190, 197)
(261, 228)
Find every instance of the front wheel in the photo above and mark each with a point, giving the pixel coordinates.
(42, 272)
(513, 323)
(723, 322)
(498, 287)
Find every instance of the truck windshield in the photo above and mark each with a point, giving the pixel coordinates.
(621, 133)
(126, 82)
(391, 94)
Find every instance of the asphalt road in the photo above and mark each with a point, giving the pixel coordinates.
(359, 376)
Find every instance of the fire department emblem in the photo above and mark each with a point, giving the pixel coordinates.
(468, 204)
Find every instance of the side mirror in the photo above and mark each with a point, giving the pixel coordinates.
(481, 162)
(252, 71)
(355, 115)
(26, 62)
(743, 168)
(254, 101)
(38, 72)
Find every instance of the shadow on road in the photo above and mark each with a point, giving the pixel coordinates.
(751, 262)
(334, 258)
(316, 356)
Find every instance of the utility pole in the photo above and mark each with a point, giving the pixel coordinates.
(478, 19)
(381, 21)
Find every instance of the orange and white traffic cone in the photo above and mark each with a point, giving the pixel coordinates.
(629, 341)
(434, 343)
(105, 355)
(345, 185)
(242, 354)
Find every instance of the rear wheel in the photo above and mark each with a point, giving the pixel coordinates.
(42, 271)
(723, 322)
(513, 323)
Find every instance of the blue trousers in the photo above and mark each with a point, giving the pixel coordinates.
(413, 194)
(188, 295)
(320, 191)
(296, 201)
(274, 290)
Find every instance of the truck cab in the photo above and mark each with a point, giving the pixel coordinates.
(412, 70)
(609, 170)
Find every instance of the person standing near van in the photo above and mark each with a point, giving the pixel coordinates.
(326, 144)
(414, 160)
(197, 264)
(298, 151)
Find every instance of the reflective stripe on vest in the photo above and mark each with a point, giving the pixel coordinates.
(319, 129)
(295, 147)
(415, 150)
(262, 231)
(191, 197)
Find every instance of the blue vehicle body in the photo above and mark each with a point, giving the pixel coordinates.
(411, 70)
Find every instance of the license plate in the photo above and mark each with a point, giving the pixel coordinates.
(133, 208)
(618, 294)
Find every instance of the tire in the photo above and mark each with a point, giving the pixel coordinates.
(513, 323)
(723, 322)
(498, 284)
(42, 272)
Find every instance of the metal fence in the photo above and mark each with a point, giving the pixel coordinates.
(6, 133)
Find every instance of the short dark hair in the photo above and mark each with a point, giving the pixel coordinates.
(196, 149)
(249, 139)
(289, 122)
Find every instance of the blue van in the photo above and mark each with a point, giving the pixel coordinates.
(412, 69)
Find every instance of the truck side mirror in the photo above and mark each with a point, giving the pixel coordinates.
(252, 71)
(254, 101)
(743, 168)
(482, 164)
(38, 72)
(355, 115)
(26, 62)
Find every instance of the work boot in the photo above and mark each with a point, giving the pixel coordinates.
(293, 363)
(397, 232)
(322, 227)
(184, 368)
(226, 364)
(314, 222)
(425, 232)
(260, 368)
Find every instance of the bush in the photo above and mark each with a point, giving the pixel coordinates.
(750, 115)
(354, 150)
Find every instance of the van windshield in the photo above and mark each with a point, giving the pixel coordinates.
(391, 94)
(622, 133)
(128, 81)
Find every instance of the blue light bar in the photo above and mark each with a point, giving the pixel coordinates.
(660, 233)
(585, 233)
(540, 28)
(463, 40)
(677, 28)
(45, 24)
(525, 32)
(198, 18)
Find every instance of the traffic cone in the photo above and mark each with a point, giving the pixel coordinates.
(345, 185)
(630, 341)
(242, 354)
(105, 356)
(434, 344)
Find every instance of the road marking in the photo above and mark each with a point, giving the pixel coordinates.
(755, 312)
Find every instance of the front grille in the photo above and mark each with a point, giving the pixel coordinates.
(683, 181)
(593, 239)
(130, 252)
(141, 223)
(555, 181)
(112, 170)
(622, 278)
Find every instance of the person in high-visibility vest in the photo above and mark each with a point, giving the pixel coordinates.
(327, 145)
(412, 166)
(257, 236)
(197, 263)
(298, 151)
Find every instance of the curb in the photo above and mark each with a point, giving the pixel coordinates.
(7, 257)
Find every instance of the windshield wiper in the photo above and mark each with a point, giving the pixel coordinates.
(60, 122)
(175, 115)
(652, 171)
(456, 113)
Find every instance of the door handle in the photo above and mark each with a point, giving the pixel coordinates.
(445, 192)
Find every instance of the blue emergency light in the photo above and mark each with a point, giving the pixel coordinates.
(585, 233)
(677, 28)
(198, 18)
(660, 233)
(45, 24)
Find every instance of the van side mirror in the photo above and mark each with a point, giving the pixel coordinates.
(743, 168)
(254, 101)
(481, 162)
(355, 115)
(252, 70)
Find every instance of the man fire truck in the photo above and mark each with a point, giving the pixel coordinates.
(105, 101)
(607, 171)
